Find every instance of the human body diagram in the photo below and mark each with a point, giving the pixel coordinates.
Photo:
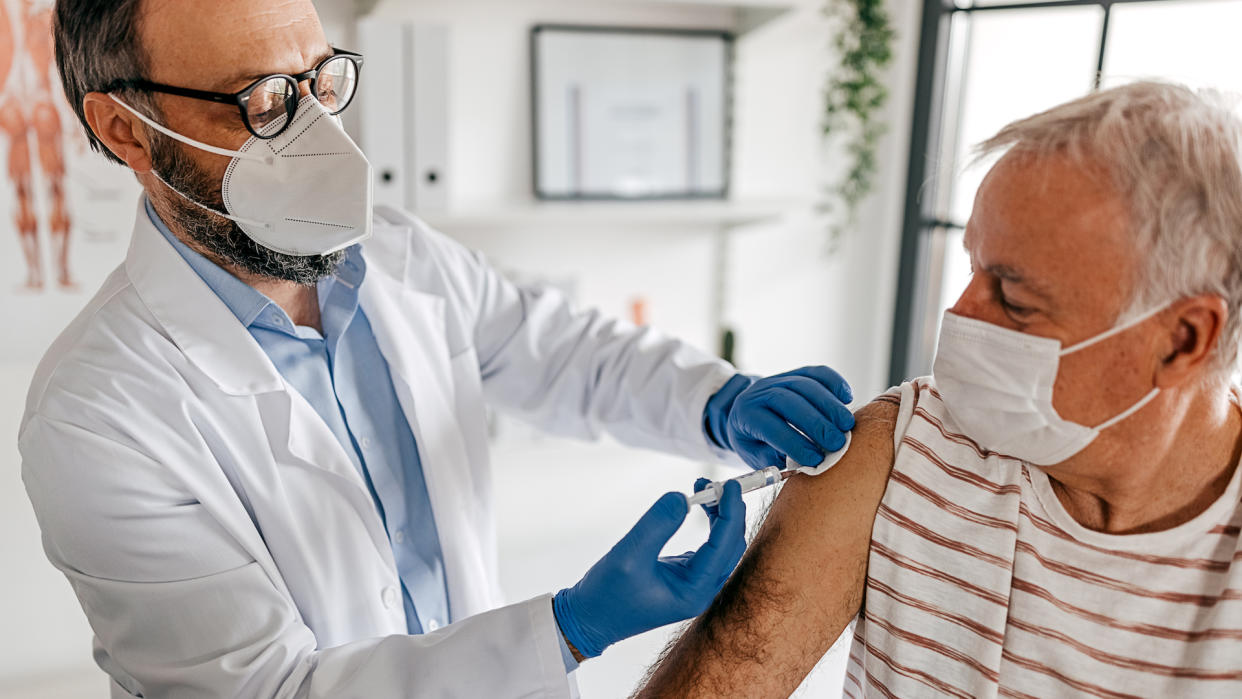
(31, 124)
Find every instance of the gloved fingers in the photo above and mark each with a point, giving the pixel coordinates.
(680, 560)
(770, 427)
(758, 455)
(734, 557)
(711, 510)
(824, 401)
(718, 554)
(830, 379)
(728, 571)
(656, 526)
(796, 410)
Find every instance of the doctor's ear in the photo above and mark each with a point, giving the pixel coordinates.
(121, 132)
(1190, 348)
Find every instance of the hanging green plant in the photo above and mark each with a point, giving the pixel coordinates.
(855, 93)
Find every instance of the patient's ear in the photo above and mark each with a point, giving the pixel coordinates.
(1194, 333)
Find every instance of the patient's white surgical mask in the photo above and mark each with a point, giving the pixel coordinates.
(305, 192)
(997, 385)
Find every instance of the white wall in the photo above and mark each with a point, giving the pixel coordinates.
(795, 304)
(791, 304)
(778, 156)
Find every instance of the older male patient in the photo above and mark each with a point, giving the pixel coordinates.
(1056, 511)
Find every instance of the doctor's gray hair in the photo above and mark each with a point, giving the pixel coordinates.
(1175, 154)
(98, 43)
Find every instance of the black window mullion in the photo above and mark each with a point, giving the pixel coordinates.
(924, 147)
(1099, 64)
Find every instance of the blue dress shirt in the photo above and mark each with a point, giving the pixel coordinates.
(343, 376)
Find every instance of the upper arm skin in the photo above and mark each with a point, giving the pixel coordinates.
(799, 585)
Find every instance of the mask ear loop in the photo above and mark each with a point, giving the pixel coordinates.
(1151, 395)
(266, 159)
(1116, 330)
(201, 146)
(204, 207)
(1129, 411)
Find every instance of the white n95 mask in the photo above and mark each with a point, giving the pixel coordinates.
(997, 385)
(305, 192)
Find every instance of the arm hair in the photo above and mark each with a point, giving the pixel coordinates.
(799, 585)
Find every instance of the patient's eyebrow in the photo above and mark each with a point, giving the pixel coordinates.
(1015, 276)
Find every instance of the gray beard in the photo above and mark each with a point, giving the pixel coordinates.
(220, 237)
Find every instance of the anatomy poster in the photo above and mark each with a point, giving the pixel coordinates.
(65, 212)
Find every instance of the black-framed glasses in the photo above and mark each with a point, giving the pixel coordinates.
(268, 104)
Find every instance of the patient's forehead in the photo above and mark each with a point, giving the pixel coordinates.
(1062, 223)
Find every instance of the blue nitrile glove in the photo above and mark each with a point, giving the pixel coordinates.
(763, 422)
(713, 514)
(632, 590)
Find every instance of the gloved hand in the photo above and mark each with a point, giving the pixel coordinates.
(631, 590)
(713, 514)
(800, 414)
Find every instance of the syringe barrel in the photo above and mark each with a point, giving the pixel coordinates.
(754, 480)
(759, 479)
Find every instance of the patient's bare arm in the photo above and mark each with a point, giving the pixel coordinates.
(798, 586)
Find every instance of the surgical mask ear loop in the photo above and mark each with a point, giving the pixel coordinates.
(1129, 411)
(1115, 331)
(266, 159)
(1151, 395)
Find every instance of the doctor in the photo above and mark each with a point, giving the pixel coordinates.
(259, 454)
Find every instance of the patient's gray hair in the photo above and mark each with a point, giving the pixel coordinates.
(1176, 155)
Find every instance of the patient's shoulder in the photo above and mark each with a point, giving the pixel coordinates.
(877, 423)
(859, 477)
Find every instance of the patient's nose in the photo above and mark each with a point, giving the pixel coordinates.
(979, 302)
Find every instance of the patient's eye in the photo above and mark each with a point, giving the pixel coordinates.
(1015, 310)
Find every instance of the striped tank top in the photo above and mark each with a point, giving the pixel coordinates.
(981, 585)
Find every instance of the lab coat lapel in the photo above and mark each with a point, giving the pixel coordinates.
(208, 333)
(409, 327)
(196, 320)
(307, 442)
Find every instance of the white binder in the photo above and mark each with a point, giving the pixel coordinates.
(403, 97)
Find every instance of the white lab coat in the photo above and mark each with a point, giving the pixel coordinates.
(216, 533)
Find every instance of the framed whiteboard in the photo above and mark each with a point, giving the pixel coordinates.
(628, 113)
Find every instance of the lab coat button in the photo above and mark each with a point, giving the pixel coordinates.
(399, 537)
(389, 597)
(432, 625)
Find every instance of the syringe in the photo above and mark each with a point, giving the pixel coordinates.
(754, 480)
(771, 475)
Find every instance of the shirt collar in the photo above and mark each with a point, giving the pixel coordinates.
(250, 305)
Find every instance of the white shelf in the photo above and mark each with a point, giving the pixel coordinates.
(696, 215)
(751, 14)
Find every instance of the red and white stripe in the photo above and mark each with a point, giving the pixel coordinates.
(981, 585)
